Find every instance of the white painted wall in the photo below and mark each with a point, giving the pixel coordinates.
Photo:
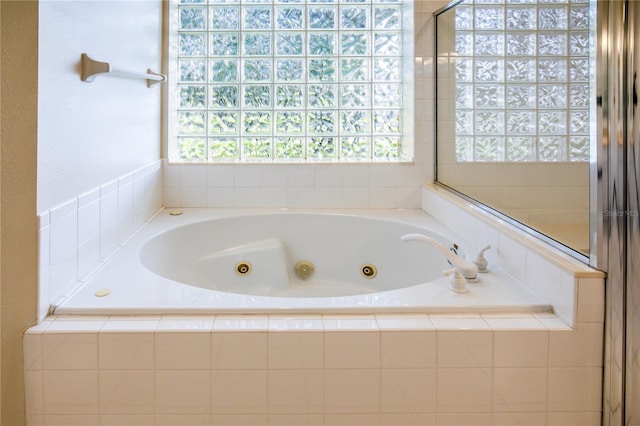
(91, 133)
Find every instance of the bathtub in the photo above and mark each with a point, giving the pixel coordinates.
(215, 261)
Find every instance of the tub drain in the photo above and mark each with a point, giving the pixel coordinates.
(368, 271)
(243, 268)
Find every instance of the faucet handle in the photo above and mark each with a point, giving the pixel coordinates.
(480, 260)
(457, 282)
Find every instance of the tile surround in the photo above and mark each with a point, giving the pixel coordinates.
(573, 289)
(75, 237)
(232, 374)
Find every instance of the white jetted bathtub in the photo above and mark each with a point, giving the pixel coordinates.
(197, 261)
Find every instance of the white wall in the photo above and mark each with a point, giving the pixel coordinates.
(92, 133)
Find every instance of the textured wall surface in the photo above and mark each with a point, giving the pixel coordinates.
(18, 241)
(91, 133)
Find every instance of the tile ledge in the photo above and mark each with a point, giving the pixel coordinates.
(562, 260)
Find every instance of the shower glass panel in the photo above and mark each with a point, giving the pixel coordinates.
(515, 112)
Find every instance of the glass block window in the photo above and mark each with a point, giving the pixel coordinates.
(291, 80)
(522, 80)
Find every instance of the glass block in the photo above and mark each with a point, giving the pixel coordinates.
(322, 70)
(192, 1)
(191, 122)
(579, 18)
(288, 147)
(256, 44)
(579, 44)
(225, 18)
(387, 18)
(320, 148)
(386, 148)
(191, 149)
(354, 18)
(386, 43)
(552, 96)
(354, 69)
(464, 44)
(387, 95)
(579, 95)
(257, 96)
(552, 18)
(355, 148)
(464, 148)
(521, 96)
(322, 96)
(224, 70)
(192, 70)
(223, 123)
(354, 43)
(464, 18)
(489, 149)
(490, 70)
(352, 122)
(256, 18)
(464, 96)
(521, 18)
(193, 18)
(520, 149)
(489, 44)
(386, 69)
(579, 69)
(289, 122)
(489, 18)
(321, 44)
(321, 122)
(552, 70)
(256, 148)
(386, 121)
(552, 44)
(257, 70)
(256, 122)
(463, 70)
(322, 18)
(487, 96)
(223, 148)
(521, 122)
(552, 149)
(289, 69)
(521, 70)
(224, 97)
(552, 122)
(464, 122)
(521, 44)
(579, 122)
(289, 18)
(192, 44)
(579, 147)
(290, 44)
(192, 97)
(289, 96)
(489, 123)
(224, 44)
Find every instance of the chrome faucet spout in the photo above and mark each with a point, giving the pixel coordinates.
(468, 269)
